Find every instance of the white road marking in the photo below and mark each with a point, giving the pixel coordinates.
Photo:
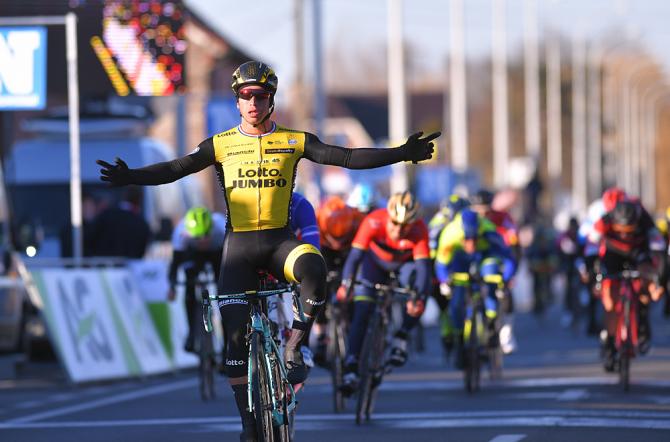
(131, 395)
(508, 438)
(573, 394)
(314, 422)
(28, 404)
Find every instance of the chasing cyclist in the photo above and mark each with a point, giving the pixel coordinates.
(626, 236)
(391, 240)
(449, 208)
(256, 164)
(482, 203)
(197, 241)
(472, 239)
(338, 223)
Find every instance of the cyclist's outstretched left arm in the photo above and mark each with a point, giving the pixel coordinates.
(415, 149)
(119, 174)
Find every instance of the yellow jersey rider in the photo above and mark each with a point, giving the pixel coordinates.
(256, 163)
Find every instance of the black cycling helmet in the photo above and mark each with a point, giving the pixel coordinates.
(254, 72)
(483, 197)
(625, 216)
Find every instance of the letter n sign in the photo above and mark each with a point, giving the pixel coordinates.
(23, 54)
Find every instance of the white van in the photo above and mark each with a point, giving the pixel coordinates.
(37, 174)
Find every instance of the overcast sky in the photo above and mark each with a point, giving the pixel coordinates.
(266, 28)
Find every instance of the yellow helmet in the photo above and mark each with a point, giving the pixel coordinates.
(254, 72)
(403, 208)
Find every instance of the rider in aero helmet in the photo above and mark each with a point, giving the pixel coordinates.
(198, 222)
(256, 73)
(362, 198)
(403, 208)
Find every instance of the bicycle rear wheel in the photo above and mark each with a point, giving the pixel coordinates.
(260, 391)
(367, 365)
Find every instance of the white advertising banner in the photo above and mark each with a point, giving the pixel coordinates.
(136, 322)
(179, 332)
(152, 280)
(81, 325)
(151, 276)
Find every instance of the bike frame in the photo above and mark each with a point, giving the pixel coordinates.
(626, 308)
(260, 324)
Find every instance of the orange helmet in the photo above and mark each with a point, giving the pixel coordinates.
(337, 222)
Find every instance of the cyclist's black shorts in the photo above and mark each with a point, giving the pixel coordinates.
(286, 258)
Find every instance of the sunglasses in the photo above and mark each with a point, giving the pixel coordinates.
(402, 226)
(247, 94)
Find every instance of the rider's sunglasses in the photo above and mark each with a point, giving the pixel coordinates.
(260, 94)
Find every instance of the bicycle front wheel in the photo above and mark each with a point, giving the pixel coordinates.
(472, 362)
(626, 350)
(284, 431)
(366, 367)
(261, 395)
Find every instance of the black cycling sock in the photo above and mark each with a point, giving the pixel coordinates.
(401, 334)
(241, 399)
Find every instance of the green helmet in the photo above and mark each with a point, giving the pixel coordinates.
(198, 222)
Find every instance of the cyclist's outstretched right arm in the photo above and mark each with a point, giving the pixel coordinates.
(159, 173)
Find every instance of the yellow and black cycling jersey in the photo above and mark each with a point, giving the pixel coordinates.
(257, 172)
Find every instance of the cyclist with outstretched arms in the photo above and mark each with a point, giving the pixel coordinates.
(389, 240)
(256, 164)
(471, 238)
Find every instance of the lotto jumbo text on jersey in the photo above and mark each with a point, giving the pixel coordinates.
(257, 174)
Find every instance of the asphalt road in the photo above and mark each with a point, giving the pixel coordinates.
(553, 389)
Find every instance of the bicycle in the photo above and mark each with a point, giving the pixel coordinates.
(203, 345)
(626, 337)
(372, 361)
(336, 339)
(475, 333)
(271, 397)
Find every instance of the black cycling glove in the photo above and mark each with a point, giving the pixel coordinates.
(115, 175)
(419, 149)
